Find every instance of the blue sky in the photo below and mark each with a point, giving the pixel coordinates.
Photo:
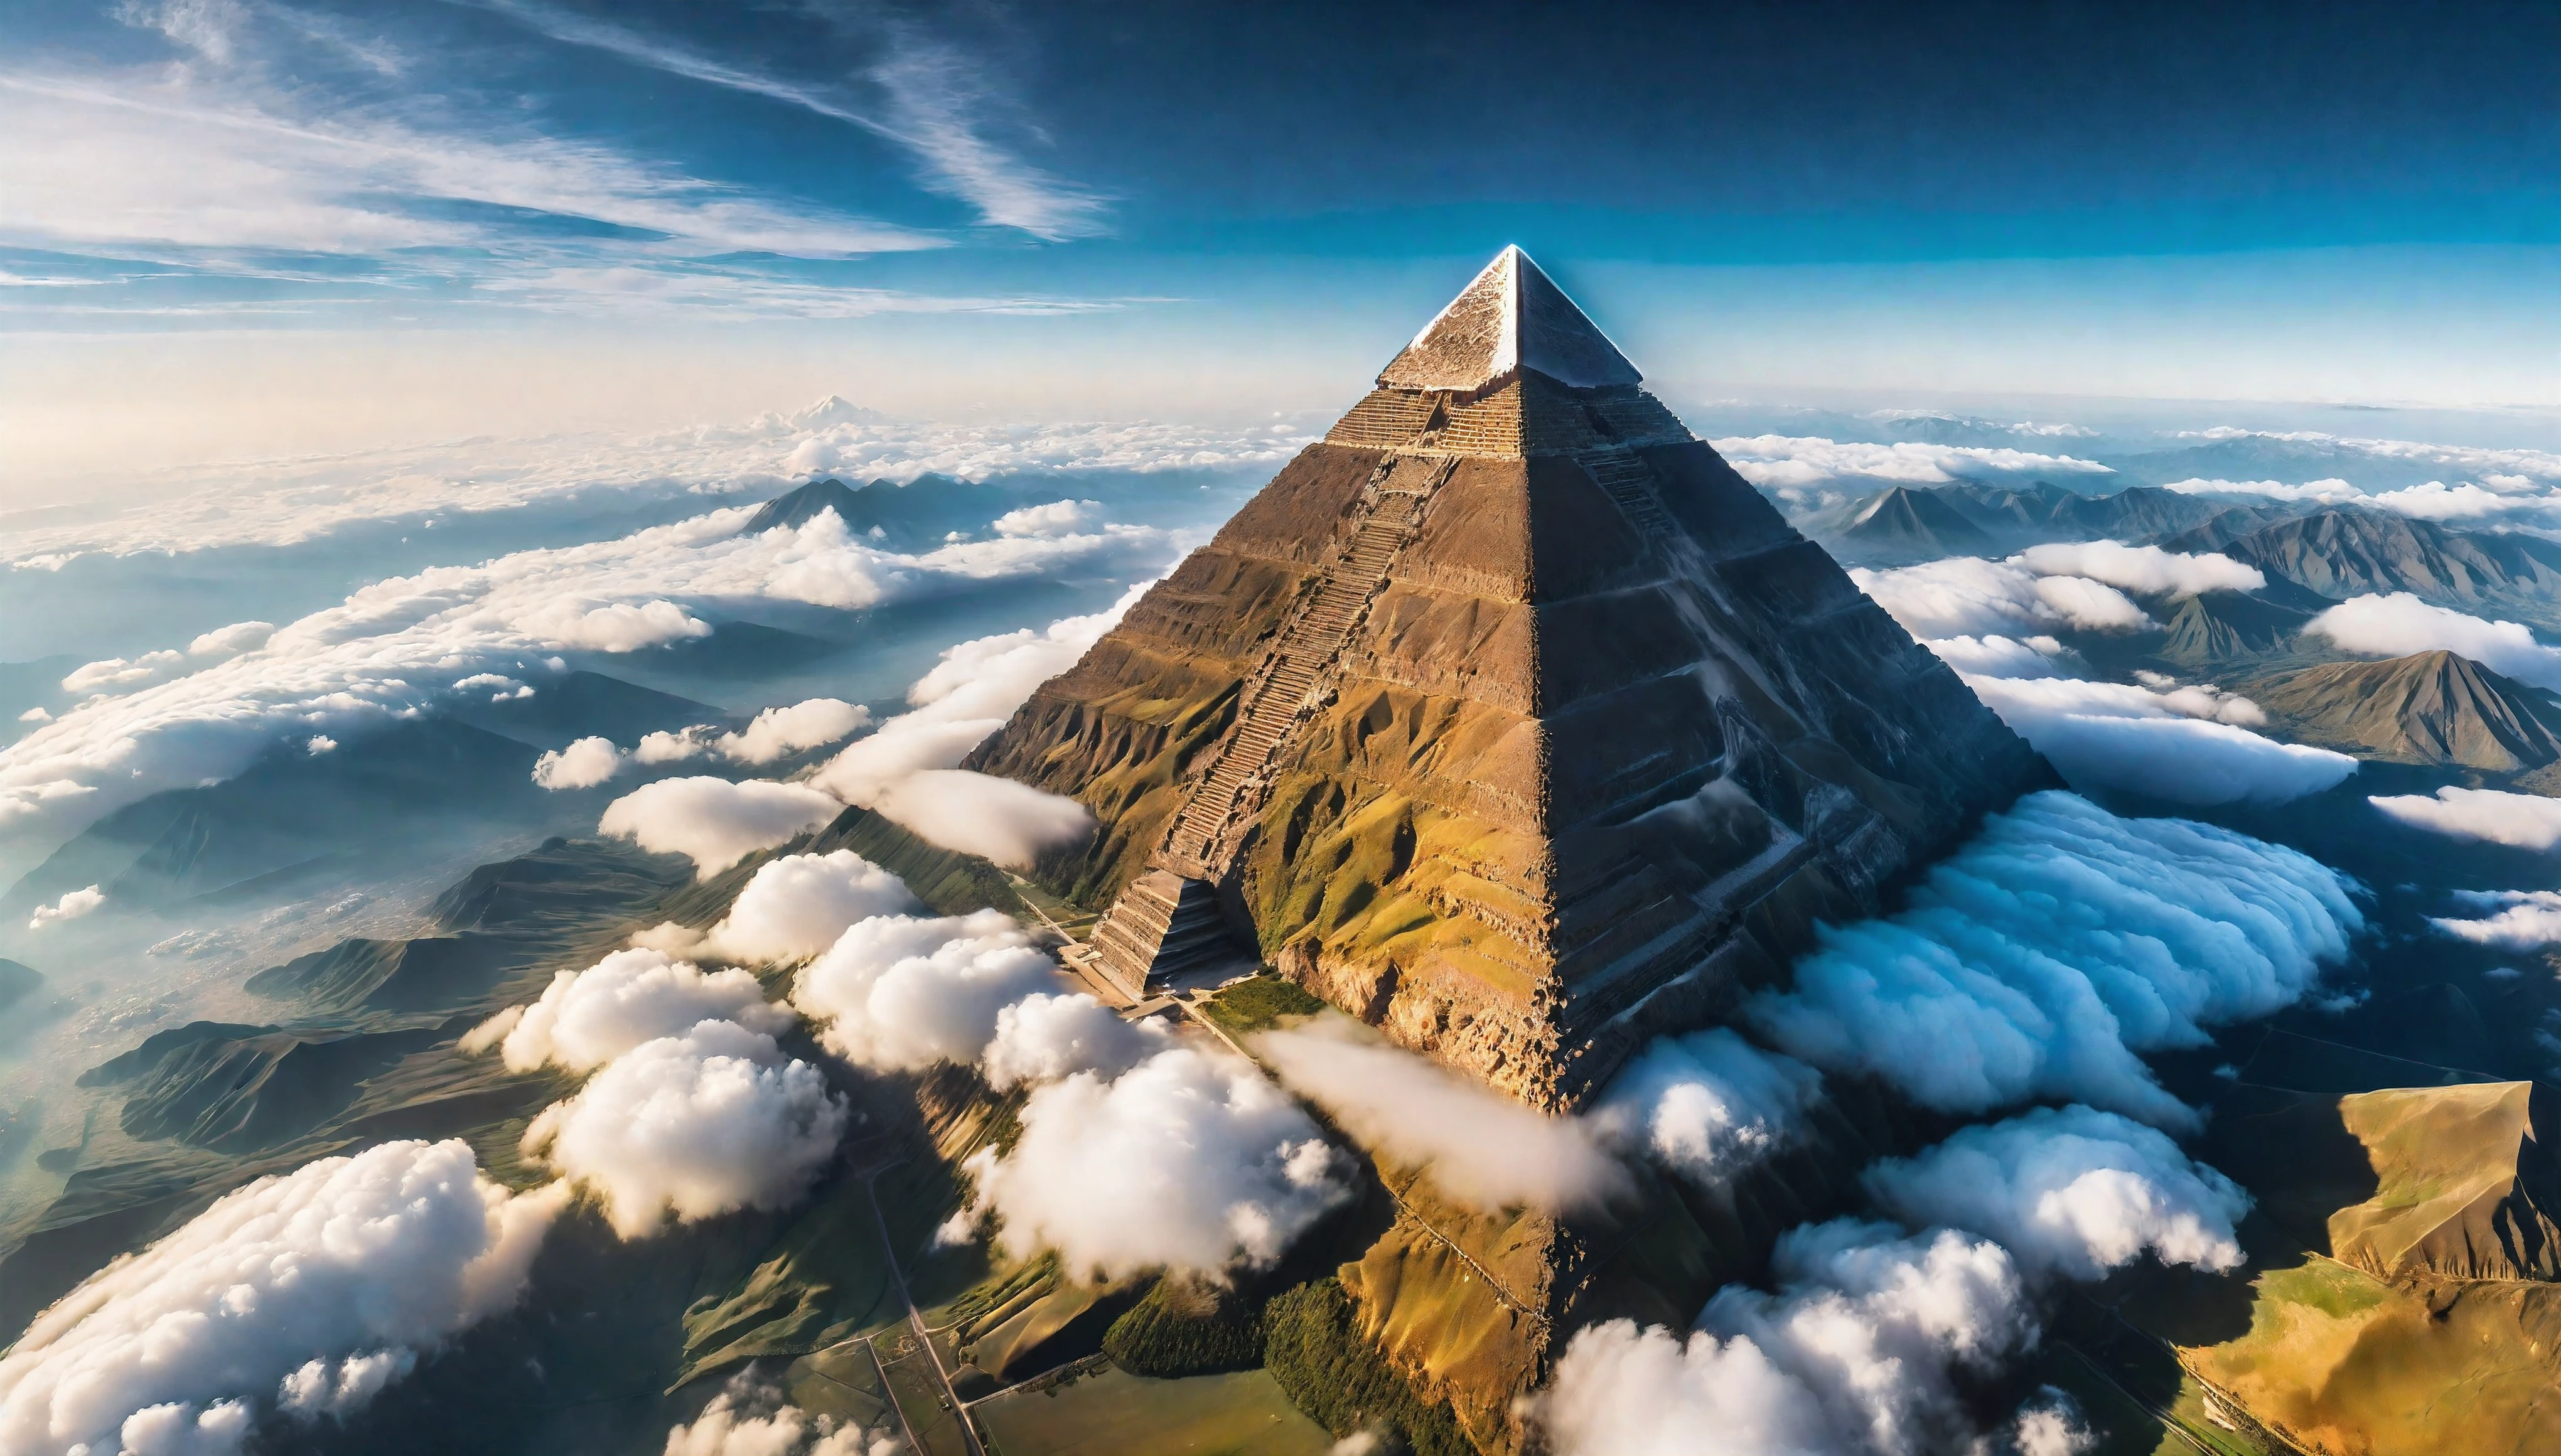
(249, 224)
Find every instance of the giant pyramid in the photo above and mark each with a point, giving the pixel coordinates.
(1509, 719)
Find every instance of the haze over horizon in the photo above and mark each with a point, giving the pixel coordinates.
(240, 230)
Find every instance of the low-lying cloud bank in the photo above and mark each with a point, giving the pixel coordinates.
(2401, 624)
(1991, 620)
(2525, 821)
(2146, 569)
(908, 770)
(1970, 596)
(2070, 1191)
(1858, 1351)
(285, 502)
(300, 1295)
(2525, 919)
(2185, 745)
(1872, 1331)
(1483, 1148)
(2063, 940)
(404, 646)
(1780, 461)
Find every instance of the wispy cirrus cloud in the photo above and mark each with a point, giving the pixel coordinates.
(270, 162)
(932, 104)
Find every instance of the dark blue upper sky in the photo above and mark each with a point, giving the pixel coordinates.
(2037, 187)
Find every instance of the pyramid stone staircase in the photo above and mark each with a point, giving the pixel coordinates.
(1168, 920)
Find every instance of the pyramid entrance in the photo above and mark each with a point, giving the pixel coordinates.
(1506, 717)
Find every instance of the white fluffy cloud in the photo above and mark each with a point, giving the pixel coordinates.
(123, 675)
(1968, 596)
(2060, 941)
(779, 732)
(1707, 1103)
(311, 1290)
(1857, 1352)
(795, 907)
(2000, 657)
(903, 992)
(979, 814)
(2400, 624)
(1483, 1148)
(1058, 518)
(1189, 1161)
(2070, 1191)
(2526, 821)
(233, 640)
(1045, 1038)
(907, 769)
(588, 1018)
(72, 904)
(749, 1420)
(2526, 919)
(582, 765)
(701, 1124)
(2146, 569)
(2183, 745)
(1794, 460)
(713, 821)
(398, 646)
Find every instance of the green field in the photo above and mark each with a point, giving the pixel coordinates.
(1112, 1414)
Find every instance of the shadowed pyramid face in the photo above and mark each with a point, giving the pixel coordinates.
(1509, 719)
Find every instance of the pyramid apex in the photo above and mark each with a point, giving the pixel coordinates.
(1513, 318)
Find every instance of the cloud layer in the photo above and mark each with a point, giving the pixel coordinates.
(2525, 919)
(1857, 1352)
(705, 1123)
(2400, 624)
(2070, 1191)
(1210, 1167)
(588, 1018)
(2043, 955)
(900, 993)
(715, 821)
(401, 646)
(2526, 821)
(2184, 746)
(797, 906)
(1707, 1103)
(907, 769)
(1483, 1148)
(310, 1291)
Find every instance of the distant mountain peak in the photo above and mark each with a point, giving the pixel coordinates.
(2427, 708)
(805, 503)
(833, 410)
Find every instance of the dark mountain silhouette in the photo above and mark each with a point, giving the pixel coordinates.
(2343, 550)
(2229, 626)
(1907, 525)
